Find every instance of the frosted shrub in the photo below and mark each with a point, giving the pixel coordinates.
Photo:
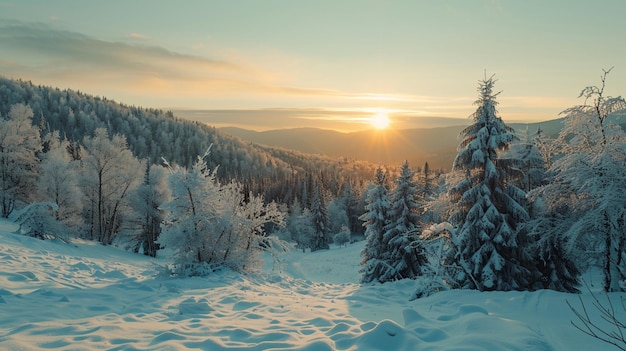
(211, 225)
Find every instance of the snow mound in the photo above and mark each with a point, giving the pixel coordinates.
(92, 297)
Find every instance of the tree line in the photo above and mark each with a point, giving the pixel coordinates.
(74, 165)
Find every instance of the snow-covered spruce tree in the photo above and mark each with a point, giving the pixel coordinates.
(405, 255)
(427, 182)
(19, 144)
(210, 225)
(321, 239)
(490, 208)
(585, 197)
(555, 268)
(375, 220)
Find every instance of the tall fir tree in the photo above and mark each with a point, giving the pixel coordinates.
(491, 208)
(321, 239)
(405, 253)
(427, 182)
(375, 220)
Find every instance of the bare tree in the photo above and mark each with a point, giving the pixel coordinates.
(110, 172)
(596, 326)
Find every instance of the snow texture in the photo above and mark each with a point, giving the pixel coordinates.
(86, 296)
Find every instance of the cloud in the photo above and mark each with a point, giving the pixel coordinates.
(70, 50)
(56, 55)
(137, 36)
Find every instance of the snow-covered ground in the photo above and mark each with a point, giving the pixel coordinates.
(85, 296)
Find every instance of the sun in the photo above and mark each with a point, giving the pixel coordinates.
(380, 120)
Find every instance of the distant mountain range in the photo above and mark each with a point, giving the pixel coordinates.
(437, 146)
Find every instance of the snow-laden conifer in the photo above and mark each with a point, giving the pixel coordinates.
(322, 237)
(490, 207)
(375, 220)
(405, 255)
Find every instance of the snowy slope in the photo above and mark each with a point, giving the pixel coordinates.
(86, 296)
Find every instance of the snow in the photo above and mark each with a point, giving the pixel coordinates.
(86, 296)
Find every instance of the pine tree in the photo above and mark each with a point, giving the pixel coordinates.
(427, 182)
(375, 220)
(490, 207)
(555, 268)
(405, 254)
(321, 239)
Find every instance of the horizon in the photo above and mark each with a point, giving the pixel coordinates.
(266, 119)
(325, 65)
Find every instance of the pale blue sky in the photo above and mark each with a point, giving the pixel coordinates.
(412, 58)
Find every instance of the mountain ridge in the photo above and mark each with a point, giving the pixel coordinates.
(435, 145)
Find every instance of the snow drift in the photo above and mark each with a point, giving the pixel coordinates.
(85, 296)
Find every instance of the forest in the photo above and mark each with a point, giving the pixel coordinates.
(516, 212)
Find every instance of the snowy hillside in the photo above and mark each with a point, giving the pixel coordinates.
(85, 296)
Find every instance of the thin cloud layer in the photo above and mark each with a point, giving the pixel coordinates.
(70, 50)
(56, 54)
(138, 36)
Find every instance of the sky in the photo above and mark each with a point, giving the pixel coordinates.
(326, 64)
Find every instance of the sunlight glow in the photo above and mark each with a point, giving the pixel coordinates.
(380, 120)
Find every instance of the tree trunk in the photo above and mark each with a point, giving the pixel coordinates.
(613, 258)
